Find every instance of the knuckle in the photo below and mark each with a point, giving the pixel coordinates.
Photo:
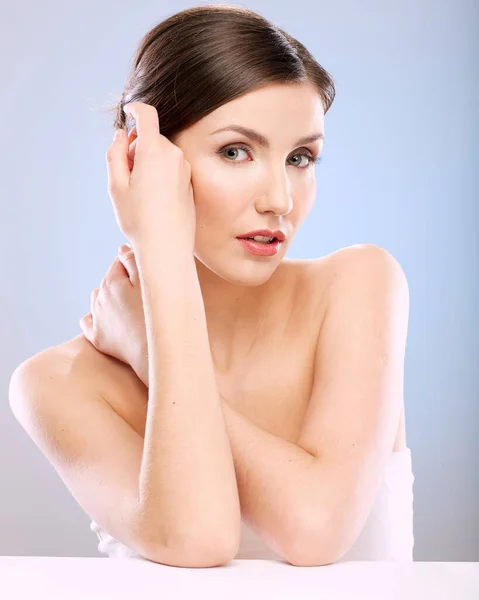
(113, 188)
(97, 338)
(106, 283)
(95, 332)
(178, 152)
(111, 281)
(175, 149)
(129, 255)
(151, 150)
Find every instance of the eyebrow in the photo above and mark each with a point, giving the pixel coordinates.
(261, 140)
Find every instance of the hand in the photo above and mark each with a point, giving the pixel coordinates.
(150, 186)
(116, 323)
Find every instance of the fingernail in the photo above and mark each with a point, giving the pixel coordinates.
(124, 248)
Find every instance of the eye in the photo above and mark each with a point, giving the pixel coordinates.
(229, 149)
(312, 159)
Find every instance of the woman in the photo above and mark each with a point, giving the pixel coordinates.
(224, 401)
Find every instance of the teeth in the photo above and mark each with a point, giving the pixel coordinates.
(262, 238)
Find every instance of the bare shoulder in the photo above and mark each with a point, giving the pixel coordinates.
(78, 360)
(317, 276)
(316, 282)
(368, 282)
(360, 252)
(342, 265)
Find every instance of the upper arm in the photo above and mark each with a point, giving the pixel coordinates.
(356, 401)
(95, 452)
(62, 403)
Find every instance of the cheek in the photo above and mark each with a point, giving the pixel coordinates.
(303, 202)
(214, 207)
(215, 199)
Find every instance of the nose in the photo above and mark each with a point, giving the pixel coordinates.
(277, 198)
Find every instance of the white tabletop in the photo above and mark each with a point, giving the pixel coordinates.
(55, 578)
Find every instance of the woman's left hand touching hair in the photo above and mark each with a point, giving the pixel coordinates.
(115, 324)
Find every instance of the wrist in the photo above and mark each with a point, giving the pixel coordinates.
(149, 254)
(140, 364)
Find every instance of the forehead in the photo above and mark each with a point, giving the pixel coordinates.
(289, 109)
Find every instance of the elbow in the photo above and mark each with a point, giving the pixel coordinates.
(188, 545)
(191, 549)
(304, 559)
(308, 552)
(309, 544)
(194, 552)
(302, 555)
(212, 549)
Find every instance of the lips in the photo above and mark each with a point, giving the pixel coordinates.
(260, 248)
(278, 234)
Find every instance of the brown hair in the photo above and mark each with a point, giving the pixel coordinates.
(201, 58)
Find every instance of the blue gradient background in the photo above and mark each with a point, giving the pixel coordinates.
(399, 170)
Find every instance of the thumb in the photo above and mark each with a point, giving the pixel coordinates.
(117, 161)
(86, 325)
(127, 258)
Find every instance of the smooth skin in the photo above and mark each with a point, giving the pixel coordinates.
(269, 185)
(356, 272)
(271, 188)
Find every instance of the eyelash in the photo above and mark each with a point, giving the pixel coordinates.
(313, 160)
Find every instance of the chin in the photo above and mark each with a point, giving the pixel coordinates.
(243, 272)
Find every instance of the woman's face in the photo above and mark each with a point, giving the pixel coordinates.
(255, 186)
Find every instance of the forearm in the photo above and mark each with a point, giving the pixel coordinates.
(270, 473)
(187, 482)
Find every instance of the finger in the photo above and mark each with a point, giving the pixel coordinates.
(146, 122)
(86, 325)
(131, 152)
(93, 296)
(117, 162)
(116, 273)
(127, 258)
(86, 320)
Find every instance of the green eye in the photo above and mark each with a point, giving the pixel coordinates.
(312, 160)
